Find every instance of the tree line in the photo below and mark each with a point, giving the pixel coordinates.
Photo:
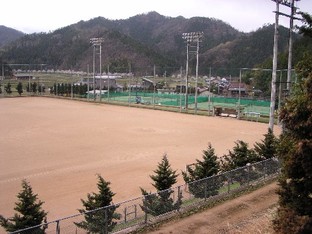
(56, 89)
(30, 87)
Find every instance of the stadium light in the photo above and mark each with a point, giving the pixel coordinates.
(97, 41)
(192, 37)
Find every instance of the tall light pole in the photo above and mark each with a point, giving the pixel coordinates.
(154, 85)
(2, 79)
(191, 38)
(186, 72)
(198, 38)
(239, 93)
(108, 85)
(93, 68)
(88, 84)
(209, 94)
(100, 71)
(97, 41)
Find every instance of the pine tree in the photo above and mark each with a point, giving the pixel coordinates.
(19, 88)
(306, 28)
(164, 176)
(294, 214)
(162, 202)
(29, 213)
(267, 148)
(239, 157)
(101, 220)
(202, 169)
(7, 88)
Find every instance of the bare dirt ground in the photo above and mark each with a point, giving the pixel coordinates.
(60, 145)
(249, 214)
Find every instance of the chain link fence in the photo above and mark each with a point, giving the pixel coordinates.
(129, 215)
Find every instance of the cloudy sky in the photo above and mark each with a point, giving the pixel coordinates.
(43, 16)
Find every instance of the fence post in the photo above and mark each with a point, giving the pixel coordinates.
(248, 172)
(205, 188)
(125, 214)
(229, 180)
(265, 169)
(58, 230)
(179, 193)
(145, 210)
(105, 221)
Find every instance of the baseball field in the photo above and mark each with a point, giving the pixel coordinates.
(60, 146)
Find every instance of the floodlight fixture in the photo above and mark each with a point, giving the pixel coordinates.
(288, 3)
(97, 41)
(192, 37)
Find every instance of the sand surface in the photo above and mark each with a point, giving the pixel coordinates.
(60, 145)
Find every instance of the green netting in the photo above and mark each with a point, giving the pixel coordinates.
(242, 101)
(249, 105)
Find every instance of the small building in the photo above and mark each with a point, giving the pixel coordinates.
(236, 88)
(147, 84)
(103, 81)
(23, 76)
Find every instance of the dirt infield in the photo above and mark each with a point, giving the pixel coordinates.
(60, 145)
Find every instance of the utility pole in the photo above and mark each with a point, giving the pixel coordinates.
(290, 43)
(287, 3)
(274, 67)
(292, 17)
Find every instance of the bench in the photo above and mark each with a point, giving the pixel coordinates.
(252, 115)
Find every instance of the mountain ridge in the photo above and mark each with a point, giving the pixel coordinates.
(142, 41)
(8, 35)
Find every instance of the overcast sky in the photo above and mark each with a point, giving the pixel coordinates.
(43, 16)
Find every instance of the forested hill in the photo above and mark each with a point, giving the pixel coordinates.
(8, 35)
(248, 50)
(143, 41)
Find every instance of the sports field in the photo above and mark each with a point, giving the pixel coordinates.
(60, 145)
